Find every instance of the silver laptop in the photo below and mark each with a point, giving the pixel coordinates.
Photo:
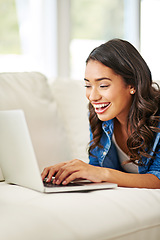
(18, 161)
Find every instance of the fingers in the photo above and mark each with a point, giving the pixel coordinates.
(66, 172)
(72, 177)
(49, 172)
(45, 173)
(63, 173)
(69, 172)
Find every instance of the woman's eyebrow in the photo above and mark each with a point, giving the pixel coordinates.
(99, 79)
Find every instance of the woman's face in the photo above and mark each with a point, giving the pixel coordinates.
(107, 92)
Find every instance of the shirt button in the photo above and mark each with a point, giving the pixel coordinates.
(104, 153)
(108, 132)
(104, 125)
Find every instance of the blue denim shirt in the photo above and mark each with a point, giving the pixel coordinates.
(108, 157)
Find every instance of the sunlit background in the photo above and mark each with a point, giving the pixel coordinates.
(54, 37)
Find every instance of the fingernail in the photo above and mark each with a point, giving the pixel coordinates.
(64, 183)
(57, 182)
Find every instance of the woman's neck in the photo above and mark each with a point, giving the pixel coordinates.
(122, 133)
(122, 124)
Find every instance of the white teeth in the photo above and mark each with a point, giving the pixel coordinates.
(100, 105)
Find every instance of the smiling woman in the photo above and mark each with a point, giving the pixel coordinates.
(109, 90)
(124, 120)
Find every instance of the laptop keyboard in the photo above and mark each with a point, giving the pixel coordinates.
(72, 184)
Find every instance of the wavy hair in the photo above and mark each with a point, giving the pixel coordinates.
(123, 58)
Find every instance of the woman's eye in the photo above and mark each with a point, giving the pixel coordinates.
(87, 86)
(104, 86)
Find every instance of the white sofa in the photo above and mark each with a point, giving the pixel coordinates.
(57, 118)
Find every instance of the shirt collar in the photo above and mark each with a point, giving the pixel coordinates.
(108, 125)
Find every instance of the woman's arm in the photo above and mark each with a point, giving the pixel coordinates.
(69, 171)
(132, 180)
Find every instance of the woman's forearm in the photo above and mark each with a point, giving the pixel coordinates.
(132, 180)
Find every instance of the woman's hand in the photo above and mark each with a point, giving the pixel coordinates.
(75, 169)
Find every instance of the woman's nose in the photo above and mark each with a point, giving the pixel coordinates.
(94, 95)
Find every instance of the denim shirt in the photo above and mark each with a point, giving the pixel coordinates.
(108, 157)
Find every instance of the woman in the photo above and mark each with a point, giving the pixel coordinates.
(124, 110)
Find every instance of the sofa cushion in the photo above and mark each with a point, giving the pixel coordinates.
(117, 214)
(31, 92)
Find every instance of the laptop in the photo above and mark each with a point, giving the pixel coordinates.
(18, 161)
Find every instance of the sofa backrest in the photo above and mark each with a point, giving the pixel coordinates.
(73, 106)
(31, 92)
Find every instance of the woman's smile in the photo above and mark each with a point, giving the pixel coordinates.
(101, 107)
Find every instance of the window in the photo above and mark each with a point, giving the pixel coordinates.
(28, 36)
(9, 30)
(92, 23)
(150, 35)
(9, 34)
(55, 36)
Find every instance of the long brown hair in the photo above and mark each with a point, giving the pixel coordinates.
(123, 58)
